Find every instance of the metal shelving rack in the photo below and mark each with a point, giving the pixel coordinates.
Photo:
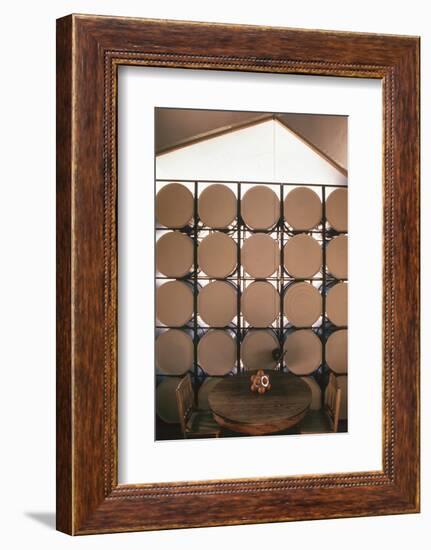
(239, 232)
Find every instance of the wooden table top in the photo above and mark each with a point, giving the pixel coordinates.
(236, 407)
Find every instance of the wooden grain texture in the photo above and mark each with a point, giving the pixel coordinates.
(236, 407)
(64, 494)
(90, 49)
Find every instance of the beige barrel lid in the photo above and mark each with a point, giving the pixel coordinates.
(207, 385)
(217, 303)
(174, 205)
(260, 255)
(166, 400)
(257, 348)
(260, 207)
(336, 257)
(342, 384)
(174, 303)
(302, 304)
(217, 206)
(316, 392)
(174, 352)
(336, 351)
(303, 352)
(174, 254)
(302, 208)
(260, 304)
(217, 255)
(217, 352)
(302, 256)
(336, 209)
(336, 304)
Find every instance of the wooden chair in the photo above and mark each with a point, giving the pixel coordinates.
(327, 418)
(194, 423)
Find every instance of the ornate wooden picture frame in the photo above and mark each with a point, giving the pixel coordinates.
(89, 51)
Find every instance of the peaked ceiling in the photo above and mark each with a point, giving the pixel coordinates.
(262, 151)
(180, 127)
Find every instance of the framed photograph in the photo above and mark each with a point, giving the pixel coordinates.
(267, 290)
(237, 274)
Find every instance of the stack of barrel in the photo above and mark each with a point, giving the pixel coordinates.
(249, 277)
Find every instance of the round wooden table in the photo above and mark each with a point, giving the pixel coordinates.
(237, 408)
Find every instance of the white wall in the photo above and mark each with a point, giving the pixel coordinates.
(27, 272)
(267, 151)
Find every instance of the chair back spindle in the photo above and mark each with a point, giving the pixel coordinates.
(185, 400)
(333, 401)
